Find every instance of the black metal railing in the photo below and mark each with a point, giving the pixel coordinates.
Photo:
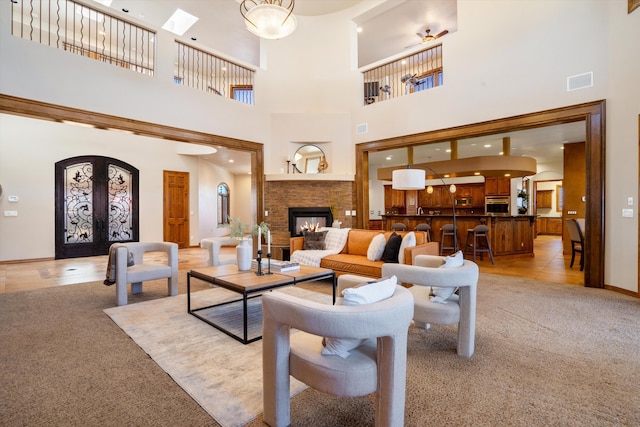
(413, 73)
(80, 29)
(202, 70)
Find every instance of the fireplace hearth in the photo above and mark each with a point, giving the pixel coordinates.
(299, 217)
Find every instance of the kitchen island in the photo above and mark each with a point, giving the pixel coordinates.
(511, 236)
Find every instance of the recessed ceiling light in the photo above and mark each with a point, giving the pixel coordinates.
(448, 150)
(507, 174)
(487, 145)
(230, 160)
(476, 173)
(359, 29)
(179, 22)
(388, 157)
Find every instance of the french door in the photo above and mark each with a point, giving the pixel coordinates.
(96, 205)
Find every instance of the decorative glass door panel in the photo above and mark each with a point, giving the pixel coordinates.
(120, 204)
(78, 203)
(96, 205)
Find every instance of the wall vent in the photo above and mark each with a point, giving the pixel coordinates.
(362, 128)
(579, 81)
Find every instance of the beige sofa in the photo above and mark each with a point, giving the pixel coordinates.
(353, 257)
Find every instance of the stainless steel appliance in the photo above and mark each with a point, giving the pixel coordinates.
(497, 205)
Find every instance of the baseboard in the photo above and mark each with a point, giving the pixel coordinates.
(622, 291)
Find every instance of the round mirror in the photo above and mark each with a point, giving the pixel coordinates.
(309, 159)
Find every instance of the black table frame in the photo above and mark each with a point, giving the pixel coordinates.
(290, 280)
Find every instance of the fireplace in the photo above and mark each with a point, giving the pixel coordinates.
(299, 217)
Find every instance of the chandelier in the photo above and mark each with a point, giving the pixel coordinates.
(269, 19)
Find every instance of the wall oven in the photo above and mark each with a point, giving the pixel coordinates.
(497, 205)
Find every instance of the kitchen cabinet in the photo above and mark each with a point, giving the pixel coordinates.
(544, 199)
(549, 225)
(497, 186)
(512, 235)
(394, 200)
(411, 202)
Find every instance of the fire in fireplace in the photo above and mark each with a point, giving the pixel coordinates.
(310, 217)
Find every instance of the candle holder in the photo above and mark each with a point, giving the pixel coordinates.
(288, 164)
(268, 263)
(259, 259)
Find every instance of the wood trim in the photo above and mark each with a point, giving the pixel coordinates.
(592, 113)
(46, 111)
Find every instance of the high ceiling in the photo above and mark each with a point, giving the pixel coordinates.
(387, 30)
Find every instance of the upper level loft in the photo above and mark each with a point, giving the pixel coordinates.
(78, 28)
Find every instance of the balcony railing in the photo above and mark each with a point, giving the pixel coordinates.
(80, 29)
(413, 73)
(202, 70)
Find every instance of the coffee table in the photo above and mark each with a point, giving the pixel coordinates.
(249, 285)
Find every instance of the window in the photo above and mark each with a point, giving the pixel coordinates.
(223, 204)
(242, 93)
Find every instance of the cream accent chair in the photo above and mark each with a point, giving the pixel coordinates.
(424, 274)
(140, 272)
(221, 237)
(376, 366)
(460, 309)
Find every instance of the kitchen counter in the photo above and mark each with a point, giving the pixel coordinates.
(511, 236)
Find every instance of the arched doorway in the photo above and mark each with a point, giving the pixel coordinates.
(96, 205)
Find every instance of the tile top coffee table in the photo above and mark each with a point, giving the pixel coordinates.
(249, 285)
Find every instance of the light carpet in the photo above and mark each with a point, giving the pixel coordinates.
(221, 374)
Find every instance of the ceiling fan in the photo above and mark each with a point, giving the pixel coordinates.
(427, 37)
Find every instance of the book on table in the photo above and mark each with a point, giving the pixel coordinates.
(276, 265)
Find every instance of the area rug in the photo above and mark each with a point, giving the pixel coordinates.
(221, 374)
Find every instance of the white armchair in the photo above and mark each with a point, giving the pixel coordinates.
(460, 309)
(213, 246)
(376, 366)
(140, 272)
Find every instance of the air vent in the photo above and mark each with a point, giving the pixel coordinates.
(579, 81)
(362, 128)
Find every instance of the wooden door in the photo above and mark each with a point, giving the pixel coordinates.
(176, 208)
(96, 205)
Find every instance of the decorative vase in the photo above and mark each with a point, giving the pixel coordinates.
(336, 224)
(243, 253)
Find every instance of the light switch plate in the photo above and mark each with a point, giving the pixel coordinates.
(630, 201)
(10, 213)
(12, 199)
(347, 213)
(627, 213)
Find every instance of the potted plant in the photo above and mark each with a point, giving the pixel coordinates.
(524, 201)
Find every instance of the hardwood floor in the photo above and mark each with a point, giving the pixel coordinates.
(549, 264)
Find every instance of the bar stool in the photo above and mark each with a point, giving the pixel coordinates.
(447, 230)
(426, 228)
(476, 236)
(398, 226)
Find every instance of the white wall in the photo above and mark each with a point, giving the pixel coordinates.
(29, 150)
(507, 58)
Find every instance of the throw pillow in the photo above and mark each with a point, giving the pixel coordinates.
(408, 241)
(441, 294)
(390, 253)
(376, 247)
(336, 238)
(314, 240)
(453, 260)
(365, 294)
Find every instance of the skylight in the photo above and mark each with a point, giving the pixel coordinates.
(179, 22)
